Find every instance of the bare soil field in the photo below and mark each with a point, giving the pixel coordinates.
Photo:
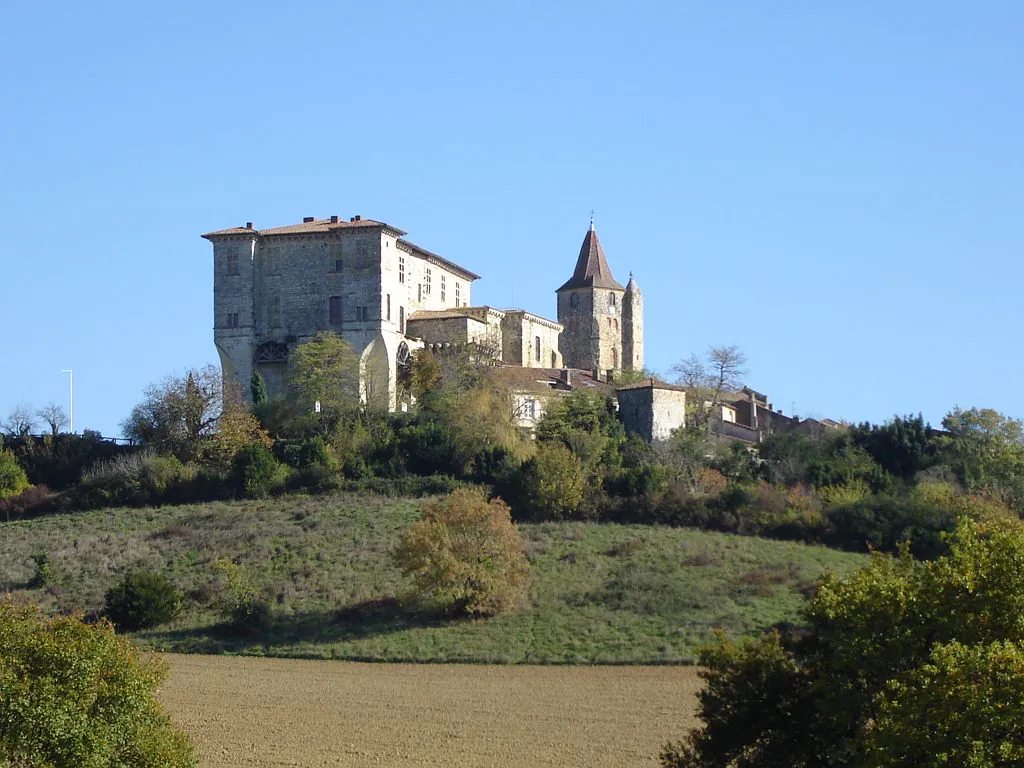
(244, 711)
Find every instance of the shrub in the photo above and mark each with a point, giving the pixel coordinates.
(13, 479)
(142, 599)
(75, 695)
(42, 570)
(241, 603)
(465, 555)
(551, 484)
(256, 470)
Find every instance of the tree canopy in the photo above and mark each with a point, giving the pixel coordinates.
(904, 663)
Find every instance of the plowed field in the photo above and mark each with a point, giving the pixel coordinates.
(280, 712)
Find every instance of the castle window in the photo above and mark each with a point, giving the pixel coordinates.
(336, 310)
(269, 263)
(615, 357)
(611, 300)
(401, 268)
(232, 262)
(232, 319)
(574, 301)
(442, 289)
(388, 308)
(362, 313)
(426, 281)
(338, 263)
(536, 348)
(401, 319)
(419, 292)
(554, 359)
(458, 293)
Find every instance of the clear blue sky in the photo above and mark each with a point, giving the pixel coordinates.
(837, 190)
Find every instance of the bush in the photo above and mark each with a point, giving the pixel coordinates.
(551, 484)
(241, 604)
(465, 555)
(141, 600)
(256, 470)
(13, 479)
(42, 570)
(74, 695)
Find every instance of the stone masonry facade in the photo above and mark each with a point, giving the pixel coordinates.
(275, 288)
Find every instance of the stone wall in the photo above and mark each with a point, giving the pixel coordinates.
(652, 411)
(521, 331)
(592, 318)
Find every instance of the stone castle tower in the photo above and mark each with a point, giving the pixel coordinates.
(604, 322)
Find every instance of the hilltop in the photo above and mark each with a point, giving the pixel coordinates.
(600, 593)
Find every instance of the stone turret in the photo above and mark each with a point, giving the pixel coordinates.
(633, 326)
(590, 309)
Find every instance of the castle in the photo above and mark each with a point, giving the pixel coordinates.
(275, 288)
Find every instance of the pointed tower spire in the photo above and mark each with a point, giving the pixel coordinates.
(592, 270)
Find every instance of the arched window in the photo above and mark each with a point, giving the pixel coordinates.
(536, 348)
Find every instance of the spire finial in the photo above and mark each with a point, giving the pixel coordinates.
(591, 219)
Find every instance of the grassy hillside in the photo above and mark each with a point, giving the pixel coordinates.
(599, 593)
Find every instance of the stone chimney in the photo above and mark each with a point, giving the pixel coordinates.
(597, 374)
(566, 378)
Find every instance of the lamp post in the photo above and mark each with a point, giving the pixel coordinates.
(71, 399)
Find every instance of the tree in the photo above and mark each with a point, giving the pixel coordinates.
(75, 695)
(13, 479)
(258, 388)
(707, 379)
(902, 446)
(551, 483)
(904, 663)
(179, 413)
(20, 421)
(54, 416)
(986, 451)
(237, 427)
(465, 555)
(325, 370)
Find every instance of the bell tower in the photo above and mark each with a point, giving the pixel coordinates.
(590, 307)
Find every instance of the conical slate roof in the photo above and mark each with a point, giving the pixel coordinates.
(592, 270)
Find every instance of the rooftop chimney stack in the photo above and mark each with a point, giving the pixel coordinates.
(248, 225)
(308, 219)
(334, 219)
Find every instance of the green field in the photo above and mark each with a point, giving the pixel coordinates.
(599, 593)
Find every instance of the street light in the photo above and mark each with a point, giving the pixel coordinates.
(71, 399)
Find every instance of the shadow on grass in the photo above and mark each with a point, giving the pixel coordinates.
(371, 618)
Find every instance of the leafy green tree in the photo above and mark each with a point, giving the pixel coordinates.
(551, 483)
(258, 388)
(13, 479)
(466, 555)
(861, 683)
(902, 446)
(986, 451)
(75, 695)
(255, 470)
(325, 370)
